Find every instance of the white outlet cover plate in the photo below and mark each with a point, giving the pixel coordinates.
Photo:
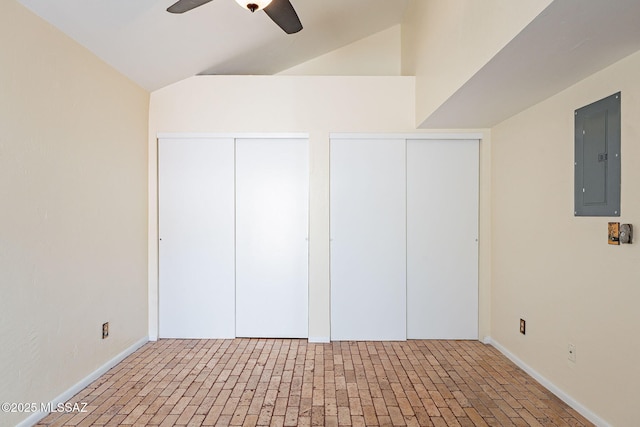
(572, 352)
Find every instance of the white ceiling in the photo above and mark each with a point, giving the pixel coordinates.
(155, 48)
(567, 42)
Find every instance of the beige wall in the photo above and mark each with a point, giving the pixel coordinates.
(556, 270)
(444, 43)
(73, 167)
(376, 55)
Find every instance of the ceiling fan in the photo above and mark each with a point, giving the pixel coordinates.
(280, 11)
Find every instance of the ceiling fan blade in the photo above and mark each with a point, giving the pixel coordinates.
(282, 13)
(182, 6)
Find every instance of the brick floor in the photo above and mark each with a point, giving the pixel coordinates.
(283, 382)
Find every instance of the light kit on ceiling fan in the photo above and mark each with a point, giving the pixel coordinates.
(253, 5)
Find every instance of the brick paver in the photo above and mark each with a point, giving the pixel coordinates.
(285, 382)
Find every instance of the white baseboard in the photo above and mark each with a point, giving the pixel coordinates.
(75, 389)
(548, 384)
(319, 340)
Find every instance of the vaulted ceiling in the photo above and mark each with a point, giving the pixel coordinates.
(568, 41)
(155, 48)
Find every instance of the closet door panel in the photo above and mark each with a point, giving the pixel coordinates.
(196, 247)
(368, 248)
(442, 232)
(272, 185)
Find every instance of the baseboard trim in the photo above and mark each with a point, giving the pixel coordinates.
(319, 340)
(548, 384)
(75, 389)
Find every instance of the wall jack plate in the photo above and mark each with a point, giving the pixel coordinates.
(105, 330)
(572, 352)
(626, 233)
(523, 326)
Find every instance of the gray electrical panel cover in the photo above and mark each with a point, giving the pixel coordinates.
(597, 158)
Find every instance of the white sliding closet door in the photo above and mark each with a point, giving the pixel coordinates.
(442, 232)
(196, 229)
(368, 231)
(272, 199)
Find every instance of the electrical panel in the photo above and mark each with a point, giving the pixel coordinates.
(597, 158)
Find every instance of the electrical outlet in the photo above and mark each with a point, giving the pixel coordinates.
(523, 326)
(572, 352)
(105, 330)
